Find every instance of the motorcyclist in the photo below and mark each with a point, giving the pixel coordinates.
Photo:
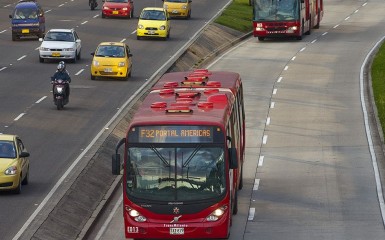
(62, 73)
(90, 1)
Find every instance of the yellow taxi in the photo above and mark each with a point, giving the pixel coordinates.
(153, 23)
(14, 163)
(112, 60)
(178, 8)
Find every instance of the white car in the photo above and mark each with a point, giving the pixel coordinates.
(63, 44)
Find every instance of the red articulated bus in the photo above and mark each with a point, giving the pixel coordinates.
(183, 157)
(286, 18)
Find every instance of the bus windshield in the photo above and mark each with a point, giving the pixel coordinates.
(273, 10)
(175, 173)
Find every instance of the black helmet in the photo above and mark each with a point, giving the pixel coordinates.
(61, 66)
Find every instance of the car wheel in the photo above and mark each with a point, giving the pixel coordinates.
(14, 37)
(138, 38)
(75, 57)
(41, 59)
(261, 38)
(189, 15)
(93, 77)
(79, 55)
(26, 178)
(167, 37)
(103, 16)
(17, 190)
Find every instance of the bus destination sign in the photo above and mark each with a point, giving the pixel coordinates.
(173, 134)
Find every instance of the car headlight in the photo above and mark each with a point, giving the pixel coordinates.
(124, 9)
(68, 49)
(184, 6)
(165, 6)
(106, 8)
(162, 27)
(140, 26)
(95, 63)
(11, 170)
(216, 214)
(44, 49)
(121, 64)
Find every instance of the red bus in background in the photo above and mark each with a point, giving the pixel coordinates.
(286, 18)
(183, 157)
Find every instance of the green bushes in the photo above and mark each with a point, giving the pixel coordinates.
(238, 15)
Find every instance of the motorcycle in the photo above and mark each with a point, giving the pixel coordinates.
(93, 4)
(59, 93)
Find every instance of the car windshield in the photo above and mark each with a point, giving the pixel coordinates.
(176, 173)
(152, 15)
(7, 149)
(25, 13)
(59, 36)
(117, 1)
(110, 51)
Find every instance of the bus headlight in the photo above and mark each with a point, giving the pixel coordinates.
(259, 27)
(136, 215)
(216, 214)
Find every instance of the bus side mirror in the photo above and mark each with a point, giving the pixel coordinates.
(233, 158)
(116, 164)
(116, 158)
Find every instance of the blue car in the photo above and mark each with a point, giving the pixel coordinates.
(27, 20)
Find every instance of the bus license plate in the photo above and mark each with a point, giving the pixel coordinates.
(176, 231)
(25, 31)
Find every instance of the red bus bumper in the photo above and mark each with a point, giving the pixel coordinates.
(206, 230)
(277, 29)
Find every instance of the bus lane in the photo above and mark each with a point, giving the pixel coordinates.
(309, 172)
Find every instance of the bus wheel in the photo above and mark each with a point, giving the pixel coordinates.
(235, 204)
(241, 179)
(318, 19)
(309, 31)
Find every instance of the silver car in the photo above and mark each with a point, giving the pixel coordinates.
(63, 44)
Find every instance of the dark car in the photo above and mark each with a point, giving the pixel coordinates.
(27, 19)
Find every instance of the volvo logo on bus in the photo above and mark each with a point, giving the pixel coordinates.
(175, 210)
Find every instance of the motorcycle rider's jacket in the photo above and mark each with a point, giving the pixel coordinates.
(63, 75)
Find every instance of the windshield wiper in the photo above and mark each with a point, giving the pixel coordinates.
(192, 155)
(160, 156)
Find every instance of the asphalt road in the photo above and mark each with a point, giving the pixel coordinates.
(55, 138)
(309, 171)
